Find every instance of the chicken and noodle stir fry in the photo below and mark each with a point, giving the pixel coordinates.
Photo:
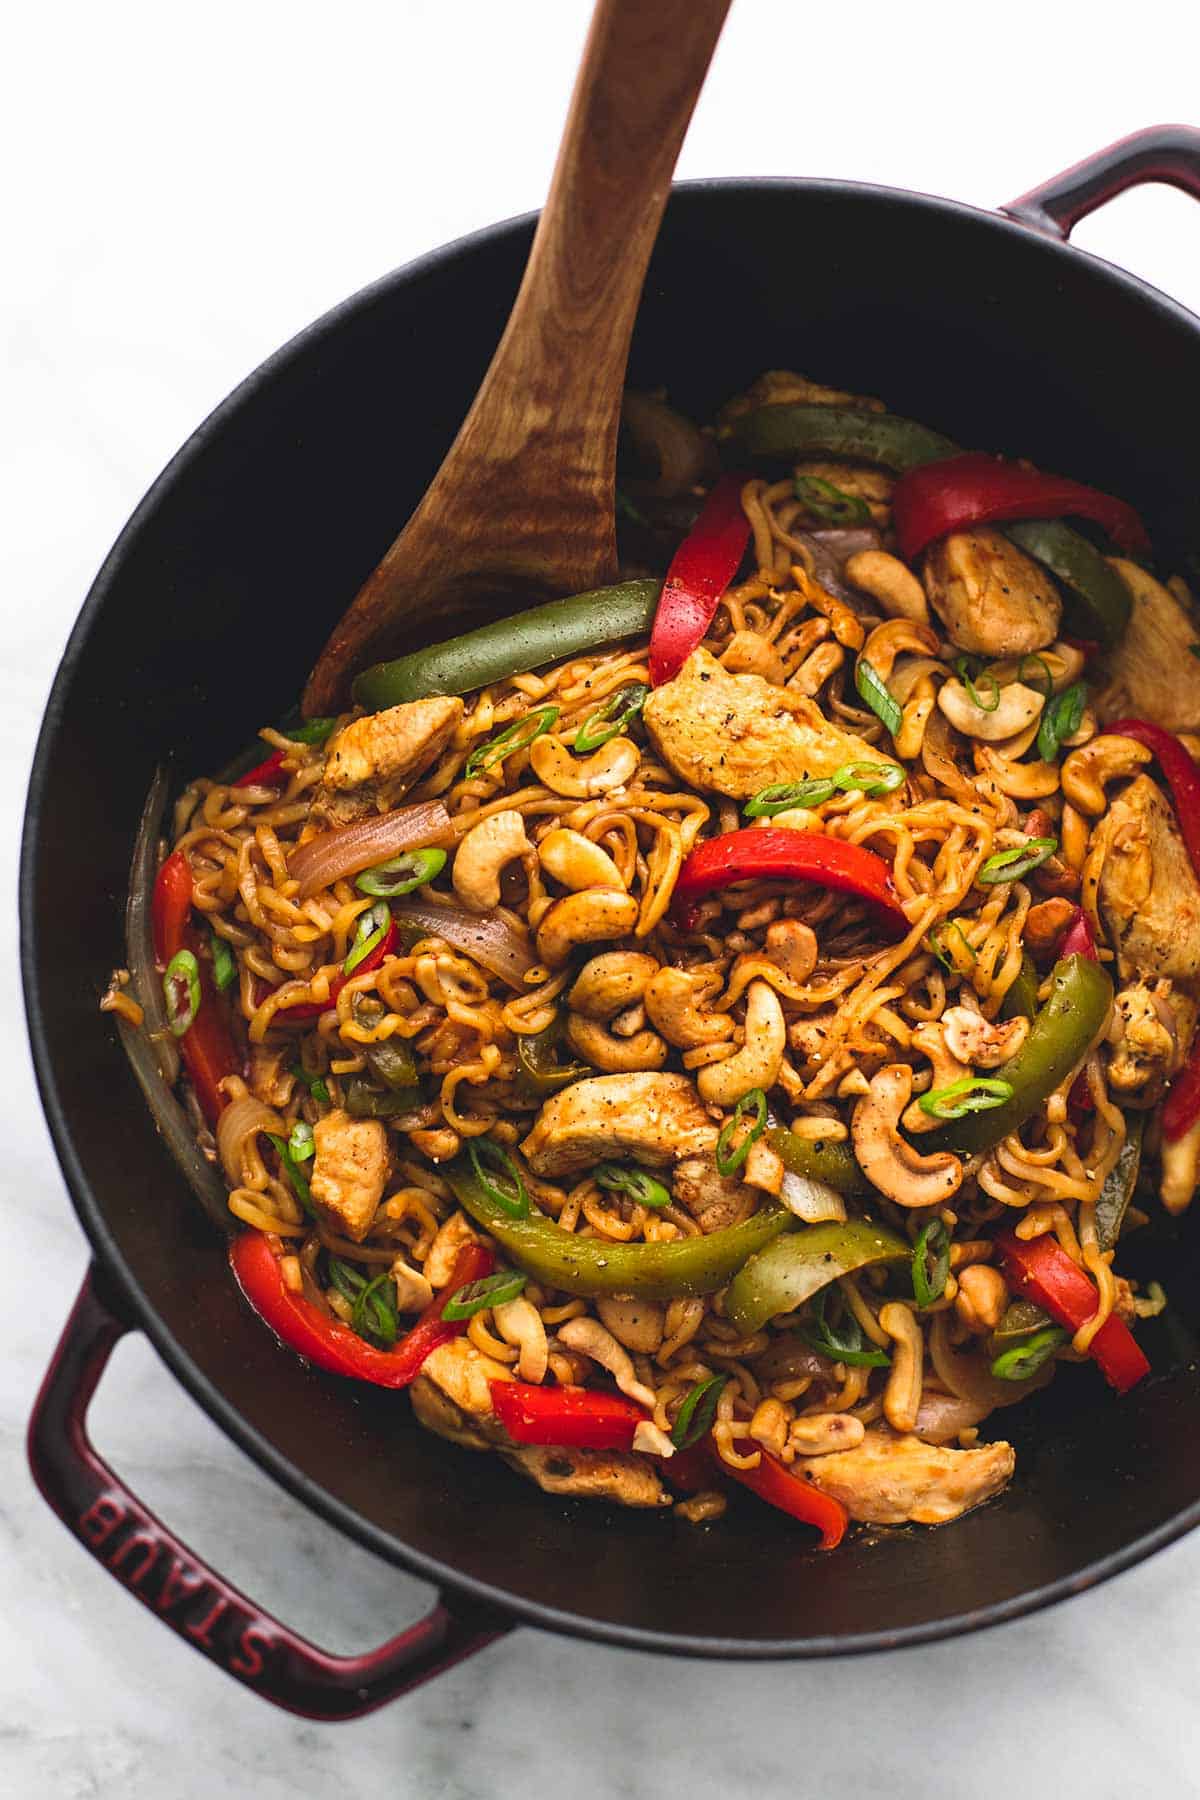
(719, 1031)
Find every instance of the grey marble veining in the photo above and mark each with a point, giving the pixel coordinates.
(183, 196)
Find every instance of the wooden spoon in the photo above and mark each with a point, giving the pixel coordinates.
(524, 500)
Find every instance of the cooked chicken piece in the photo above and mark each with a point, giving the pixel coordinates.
(349, 1171)
(892, 1480)
(451, 1396)
(714, 1200)
(1149, 1027)
(992, 598)
(783, 387)
(652, 1117)
(590, 1474)
(1152, 673)
(736, 733)
(1149, 897)
(371, 762)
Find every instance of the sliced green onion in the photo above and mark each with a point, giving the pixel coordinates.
(374, 1315)
(1047, 674)
(292, 1170)
(314, 1083)
(518, 736)
(694, 1418)
(477, 1296)
(181, 992)
(870, 778)
(641, 1187)
(618, 711)
(730, 1159)
(844, 1343)
(368, 935)
(781, 796)
(931, 1263)
(830, 503)
(974, 1093)
(1022, 859)
(301, 1142)
(401, 874)
(313, 731)
(500, 1179)
(937, 945)
(1061, 719)
(625, 508)
(873, 690)
(962, 668)
(224, 967)
(1031, 1354)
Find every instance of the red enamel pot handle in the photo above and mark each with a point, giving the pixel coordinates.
(199, 1605)
(1167, 153)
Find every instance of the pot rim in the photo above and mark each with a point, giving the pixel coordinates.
(91, 1215)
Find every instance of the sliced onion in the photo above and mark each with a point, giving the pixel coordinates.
(969, 1377)
(678, 449)
(349, 849)
(842, 541)
(811, 1200)
(150, 1046)
(240, 1120)
(496, 940)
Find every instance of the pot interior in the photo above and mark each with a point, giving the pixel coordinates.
(203, 625)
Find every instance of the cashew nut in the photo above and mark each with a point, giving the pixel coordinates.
(764, 1169)
(585, 918)
(981, 1298)
(1179, 1161)
(756, 1064)
(823, 1434)
(671, 1006)
(519, 1322)
(889, 640)
(886, 579)
(481, 856)
(590, 1337)
(749, 654)
(414, 1290)
(1020, 781)
(769, 1426)
(651, 1439)
(576, 862)
(1016, 707)
(582, 777)
(814, 672)
(611, 982)
(1087, 771)
(902, 1396)
(900, 1173)
(948, 1067)
(638, 1324)
(983, 1043)
(1064, 662)
(599, 1046)
(1045, 924)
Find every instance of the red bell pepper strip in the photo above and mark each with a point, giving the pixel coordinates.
(773, 1482)
(977, 489)
(1182, 1106)
(1041, 1270)
(328, 1343)
(309, 1009)
(575, 1417)
(267, 774)
(772, 853)
(1077, 940)
(701, 569)
(207, 1046)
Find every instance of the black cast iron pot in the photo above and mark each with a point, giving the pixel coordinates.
(990, 328)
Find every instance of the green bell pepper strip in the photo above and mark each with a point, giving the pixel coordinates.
(1020, 1001)
(512, 646)
(1119, 1184)
(830, 1160)
(392, 1063)
(1071, 559)
(540, 1072)
(784, 432)
(1080, 997)
(365, 1102)
(790, 1271)
(682, 1268)
(1019, 1320)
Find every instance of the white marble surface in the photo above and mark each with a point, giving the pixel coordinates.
(185, 188)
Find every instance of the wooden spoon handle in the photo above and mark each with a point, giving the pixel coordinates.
(552, 395)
